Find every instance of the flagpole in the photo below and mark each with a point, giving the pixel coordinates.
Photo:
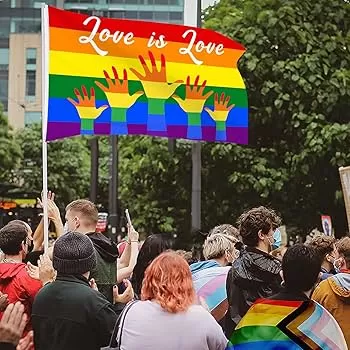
(193, 18)
(44, 103)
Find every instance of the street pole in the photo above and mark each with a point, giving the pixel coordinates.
(113, 188)
(94, 169)
(194, 18)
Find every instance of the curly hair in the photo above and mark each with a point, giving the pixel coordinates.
(343, 246)
(225, 229)
(254, 220)
(168, 281)
(323, 244)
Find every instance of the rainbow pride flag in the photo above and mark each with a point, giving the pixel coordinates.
(109, 76)
(287, 325)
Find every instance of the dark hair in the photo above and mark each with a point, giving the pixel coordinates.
(254, 220)
(153, 246)
(301, 265)
(343, 247)
(12, 236)
(323, 244)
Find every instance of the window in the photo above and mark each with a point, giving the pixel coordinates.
(161, 16)
(176, 16)
(4, 77)
(30, 83)
(31, 56)
(32, 118)
(146, 15)
(161, 2)
(4, 27)
(4, 58)
(131, 14)
(30, 73)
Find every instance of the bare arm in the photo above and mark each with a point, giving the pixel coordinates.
(38, 236)
(126, 272)
(125, 258)
(57, 221)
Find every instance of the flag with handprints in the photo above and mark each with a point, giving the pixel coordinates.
(111, 76)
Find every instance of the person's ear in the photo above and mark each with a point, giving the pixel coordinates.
(261, 235)
(77, 222)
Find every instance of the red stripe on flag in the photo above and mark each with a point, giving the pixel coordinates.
(71, 20)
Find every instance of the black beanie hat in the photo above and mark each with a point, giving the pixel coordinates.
(74, 253)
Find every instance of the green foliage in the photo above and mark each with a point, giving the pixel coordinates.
(10, 151)
(154, 184)
(296, 70)
(297, 74)
(68, 165)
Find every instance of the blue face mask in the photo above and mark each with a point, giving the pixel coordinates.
(277, 239)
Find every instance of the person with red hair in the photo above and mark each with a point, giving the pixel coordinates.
(167, 317)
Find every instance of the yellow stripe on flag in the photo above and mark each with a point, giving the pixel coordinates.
(86, 65)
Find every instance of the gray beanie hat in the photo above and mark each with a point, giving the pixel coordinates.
(74, 253)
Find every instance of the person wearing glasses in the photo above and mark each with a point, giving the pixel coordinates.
(15, 242)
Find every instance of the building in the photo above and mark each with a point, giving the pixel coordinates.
(20, 44)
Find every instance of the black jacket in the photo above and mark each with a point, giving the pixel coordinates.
(253, 275)
(69, 315)
(105, 273)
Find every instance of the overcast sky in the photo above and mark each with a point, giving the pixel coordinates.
(207, 3)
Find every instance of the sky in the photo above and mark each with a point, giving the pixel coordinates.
(207, 3)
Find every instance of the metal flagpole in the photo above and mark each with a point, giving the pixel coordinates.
(44, 102)
(193, 17)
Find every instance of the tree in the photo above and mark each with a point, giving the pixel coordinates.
(153, 184)
(297, 74)
(68, 165)
(296, 69)
(10, 151)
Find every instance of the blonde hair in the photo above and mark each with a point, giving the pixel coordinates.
(85, 209)
(217, 244)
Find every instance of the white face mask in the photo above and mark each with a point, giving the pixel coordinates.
(337, 265)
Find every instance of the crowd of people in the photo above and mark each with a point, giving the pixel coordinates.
(249, 291)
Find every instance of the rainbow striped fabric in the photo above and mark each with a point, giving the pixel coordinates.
(280, 324)
(109, 76)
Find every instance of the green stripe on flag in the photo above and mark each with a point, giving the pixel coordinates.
(257, 333)
(62, 86)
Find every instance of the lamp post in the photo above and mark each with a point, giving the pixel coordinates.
(196, 219)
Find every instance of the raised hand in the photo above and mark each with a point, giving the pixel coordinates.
(93, 284)
(221, 108)
(117, 91)
(127, 296)
(3, 301)
(154, 81)
(194, 96)
(12, 324)
(33, 271)
(86, 106)
(46, 271)
(26, 343)
(52, 209)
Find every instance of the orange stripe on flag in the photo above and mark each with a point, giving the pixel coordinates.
(68, 40)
